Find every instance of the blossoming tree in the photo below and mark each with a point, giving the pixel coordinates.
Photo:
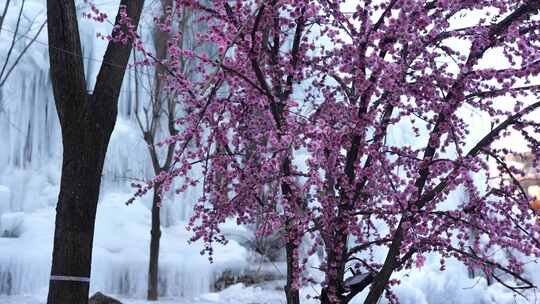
(293, 124)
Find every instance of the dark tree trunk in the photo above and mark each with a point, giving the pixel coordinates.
(154, 247)
(291, 293)
(84, 154)
(335, 271)
(87, 122)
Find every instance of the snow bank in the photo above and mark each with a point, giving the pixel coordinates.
(120, 255)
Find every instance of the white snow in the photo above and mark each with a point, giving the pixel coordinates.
(236, 294)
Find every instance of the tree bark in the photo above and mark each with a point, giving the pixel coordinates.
(292, 294)
(84, 154)
(154, 247)
(335, 271)
(87, 121)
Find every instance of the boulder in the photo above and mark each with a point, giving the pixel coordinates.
(229, 278)
(99, 298)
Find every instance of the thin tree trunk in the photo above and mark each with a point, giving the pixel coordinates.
(160, 40)
(381, 279)
(4, 13)
(291, 293)
(335, 270)
(154, 247)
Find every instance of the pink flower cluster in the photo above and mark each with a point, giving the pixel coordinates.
(351, 129)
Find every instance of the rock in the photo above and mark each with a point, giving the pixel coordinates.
(229, 278)
(99, 298)
(358, 279)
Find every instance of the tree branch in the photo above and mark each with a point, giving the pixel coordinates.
(69, 84)
(109, 79)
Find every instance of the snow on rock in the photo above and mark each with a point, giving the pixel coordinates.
(11, 224)
(100, 298)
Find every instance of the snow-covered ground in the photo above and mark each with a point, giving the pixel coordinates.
(120, 254)
(434, 291)
(235, 294)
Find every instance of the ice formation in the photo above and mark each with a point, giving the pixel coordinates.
(30, 160)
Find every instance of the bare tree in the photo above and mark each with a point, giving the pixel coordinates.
(4, 13)
(7, 67)
(156, 120)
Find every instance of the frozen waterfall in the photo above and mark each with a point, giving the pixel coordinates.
(30, 161)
